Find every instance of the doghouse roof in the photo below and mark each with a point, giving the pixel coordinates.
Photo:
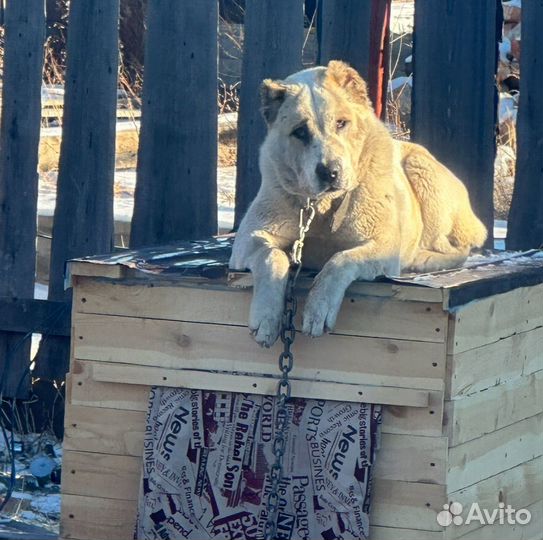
(483, 275)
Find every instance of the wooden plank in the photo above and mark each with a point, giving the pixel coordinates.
(274, 33)
(497, 317)
(85, 391)
(345, 33)
(101, 475)
(106, 431)
(478, 414)
(486, 366)
(525, 229)
(366, 288)
(90, 269)
(398, 533)
(119, 431)
(404, 506)
(519, 487)
(401, 457)
(109, 519)
(232, 382)
(176, 189)
(19, 142)
(468, 144)
(425, 421)
(498, 451)
(186, 345)
(530, 531)
(31, 315)
(83, 222)
(360, 315)
(92, 518)
(412, 459)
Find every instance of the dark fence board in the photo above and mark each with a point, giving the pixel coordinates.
(454, 92)
(83, 222)
(525, 229)
(176, 192)
(344, 33)
(39, 316)
(272, 49)
(19, 140)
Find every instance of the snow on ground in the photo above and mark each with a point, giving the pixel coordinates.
(125, 184)
(33, 501)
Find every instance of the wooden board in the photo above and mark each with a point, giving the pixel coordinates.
(22, 61)
(456, 122)
(106, 431)
(530, 531)
(187, 345)
(406, 505)
(107, 519)
(397, 533)
(526, 214)
(85, 391)
(495, 318)
(486, 366)
(395, 503)
(401, 457)
(88, 392)
(486, 456)
(93, 518)
(475, 415)
(360, 315)
(176, 188)
(273, 42)
(519, 487)
(398, 291)
(233, 382)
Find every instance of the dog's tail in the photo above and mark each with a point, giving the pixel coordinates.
(468, 230)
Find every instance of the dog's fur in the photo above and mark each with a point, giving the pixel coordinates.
(382, 205)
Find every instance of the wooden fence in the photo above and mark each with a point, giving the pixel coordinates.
(177, 177)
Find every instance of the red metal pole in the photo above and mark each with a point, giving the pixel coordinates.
(379, 54)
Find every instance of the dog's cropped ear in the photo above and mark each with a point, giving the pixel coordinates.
(272, 95)
(348, 78)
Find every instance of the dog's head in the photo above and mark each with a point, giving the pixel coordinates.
(317, 122)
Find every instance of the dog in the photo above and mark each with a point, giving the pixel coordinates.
(382, 206)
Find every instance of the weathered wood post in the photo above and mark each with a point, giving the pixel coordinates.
(83, 221)
(345, 33)
(525, 226)
(272, 49)
(357, 33)
(454, 115)
(176, 192)
(19, 140)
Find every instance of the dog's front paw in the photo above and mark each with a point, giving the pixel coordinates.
(265, 325)
(320, 311)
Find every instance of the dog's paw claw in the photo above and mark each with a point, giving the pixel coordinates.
(266, 330)
(319, 317)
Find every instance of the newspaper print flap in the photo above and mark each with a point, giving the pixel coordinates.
(207, 457)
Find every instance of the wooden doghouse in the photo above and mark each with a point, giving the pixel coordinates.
(456, 357)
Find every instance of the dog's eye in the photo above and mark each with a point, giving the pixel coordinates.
(341, 123)
(301, 133)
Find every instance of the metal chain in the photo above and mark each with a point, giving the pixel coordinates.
(286, 362)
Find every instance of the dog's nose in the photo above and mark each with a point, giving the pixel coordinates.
(329, 173)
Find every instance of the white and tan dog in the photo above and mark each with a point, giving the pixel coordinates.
(382, 205)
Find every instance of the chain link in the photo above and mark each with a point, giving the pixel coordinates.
(286, 363)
